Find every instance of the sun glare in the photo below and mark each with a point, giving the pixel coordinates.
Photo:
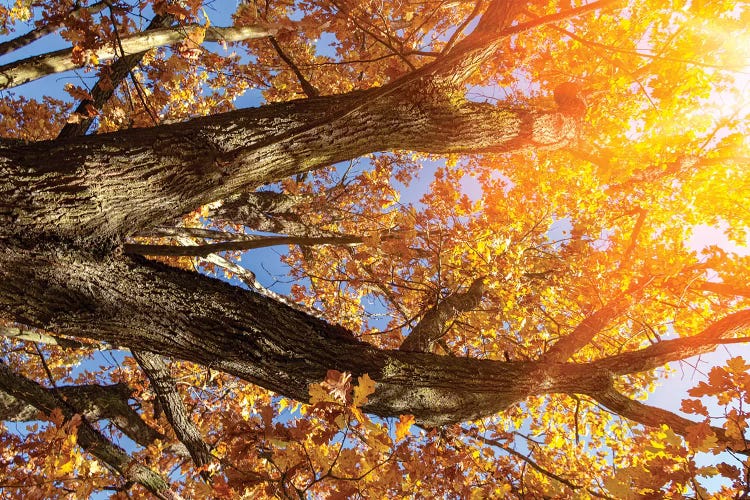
(731, 98)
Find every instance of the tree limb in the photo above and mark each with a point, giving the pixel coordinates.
(308, 88)
(33, 68)
(666, 351)
(95, 402)
(89, 438)
(587, 329)
(248, 278)
(433, 324)
(652, 416)
(207, 159)
(267, 211)
(35, 34)
(246, 243)
(212, 323)
(39, 336)
(190, 232)
(171, 402)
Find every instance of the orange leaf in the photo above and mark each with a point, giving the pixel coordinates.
(403, 426)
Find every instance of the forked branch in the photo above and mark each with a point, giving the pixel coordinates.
(89, 438)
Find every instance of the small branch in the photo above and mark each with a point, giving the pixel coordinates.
(652, 416)
(36, 34)
(33, 68)
(433, 324)
(307, 87)
(637, 53)
(385, 43)
(89, 438)
(39, 336)
(666, 351)
(242, 245)
(534, 465)
(452, 40)
(248, 277)
(109, 80)
(95, 402)
(591, 326)
(190, 232)
(171, 402)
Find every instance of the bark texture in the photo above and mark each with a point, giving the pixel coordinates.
(187, 316)
(91, 189)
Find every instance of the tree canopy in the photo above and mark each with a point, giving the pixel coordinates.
(488, 216)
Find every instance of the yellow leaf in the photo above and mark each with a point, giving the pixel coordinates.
(365, 387)
(65, 468)
(319, 395)
(403, 426)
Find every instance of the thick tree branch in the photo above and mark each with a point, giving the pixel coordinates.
(171, 402)
(95, 402)
(435, 321)
(667, 351)
(212, 323)
(652, 416)
(33, 68)
(173, 169)
(89, 438)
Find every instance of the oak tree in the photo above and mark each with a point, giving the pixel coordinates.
(496, 334)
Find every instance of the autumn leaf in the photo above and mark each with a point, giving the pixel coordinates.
(403, 426)
(365, 386)
(338, 385)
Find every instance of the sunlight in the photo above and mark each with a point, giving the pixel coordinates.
(731, 97)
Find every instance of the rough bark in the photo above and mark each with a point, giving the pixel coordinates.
(90, 189)
(171, 402)
(434, 323)
(187, 316)
(95, 402)
(266, 211)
